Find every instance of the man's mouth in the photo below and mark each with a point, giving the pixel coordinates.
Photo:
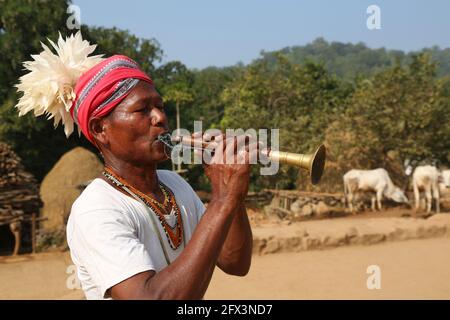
(161, 144)
(157, 137)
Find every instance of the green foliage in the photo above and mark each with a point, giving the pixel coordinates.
(176, 88)
(174, 81)
(298, 100)
(23, 25)
(343, 59)
(398, 116)
(207, 87)
(442, 58)
(112, 41)
(348, 61)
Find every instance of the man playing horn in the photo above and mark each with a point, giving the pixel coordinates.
(137, 232)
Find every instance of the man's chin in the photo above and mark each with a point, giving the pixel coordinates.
(159, 152)
(162, 159)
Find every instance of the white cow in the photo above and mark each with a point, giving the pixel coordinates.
(377, 181)
(444, 185)
(445, 178)
(426, 178)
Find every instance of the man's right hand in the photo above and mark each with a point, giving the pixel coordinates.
(229, 168)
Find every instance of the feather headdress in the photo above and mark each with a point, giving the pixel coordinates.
(48, 87)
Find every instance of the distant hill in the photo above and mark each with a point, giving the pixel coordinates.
(347, 60)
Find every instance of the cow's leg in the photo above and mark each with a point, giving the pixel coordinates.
(428, 197)
(373, 202)
(436, 197)
(416, 196)
(379, 197)
(350, 202)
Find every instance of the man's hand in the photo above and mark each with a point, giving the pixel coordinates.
(229, 168)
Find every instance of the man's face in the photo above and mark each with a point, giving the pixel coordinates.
(134, 125)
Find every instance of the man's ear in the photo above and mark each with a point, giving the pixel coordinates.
(97, 128)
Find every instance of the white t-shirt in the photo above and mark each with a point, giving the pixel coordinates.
(111, 236)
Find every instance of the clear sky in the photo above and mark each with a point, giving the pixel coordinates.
(200, 33)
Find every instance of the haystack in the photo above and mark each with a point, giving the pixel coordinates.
(61, 186)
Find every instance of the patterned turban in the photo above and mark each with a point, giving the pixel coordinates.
(102, 88)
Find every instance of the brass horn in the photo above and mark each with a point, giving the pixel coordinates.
(314, 163)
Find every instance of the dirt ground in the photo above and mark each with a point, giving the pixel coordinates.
(257, 218)
(413, 269)
(396, 212)
(38, 276)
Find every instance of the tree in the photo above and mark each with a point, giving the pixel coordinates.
(111, 41)
(298, 100)
(23, 25)
(348, 60)
(396, 118)
(207, 87)
(179, 94)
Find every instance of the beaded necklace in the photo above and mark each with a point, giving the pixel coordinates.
(174, 234)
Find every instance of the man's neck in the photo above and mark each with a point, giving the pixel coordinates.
(144, 179)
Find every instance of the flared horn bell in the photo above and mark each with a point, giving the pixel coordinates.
(314, 163)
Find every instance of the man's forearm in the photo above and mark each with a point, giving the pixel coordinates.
(235, 257)
(189, 275)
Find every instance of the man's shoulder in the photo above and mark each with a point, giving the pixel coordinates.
(97, 195)
(171, 177)
(168, 173)
(99, 203)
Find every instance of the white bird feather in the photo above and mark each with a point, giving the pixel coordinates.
(48, 87)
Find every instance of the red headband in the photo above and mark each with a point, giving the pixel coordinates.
(102, 88)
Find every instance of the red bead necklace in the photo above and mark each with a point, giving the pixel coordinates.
(174, 234)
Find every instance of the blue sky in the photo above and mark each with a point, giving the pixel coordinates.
(201, 33)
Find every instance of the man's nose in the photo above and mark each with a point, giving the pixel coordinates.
(159, 118)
